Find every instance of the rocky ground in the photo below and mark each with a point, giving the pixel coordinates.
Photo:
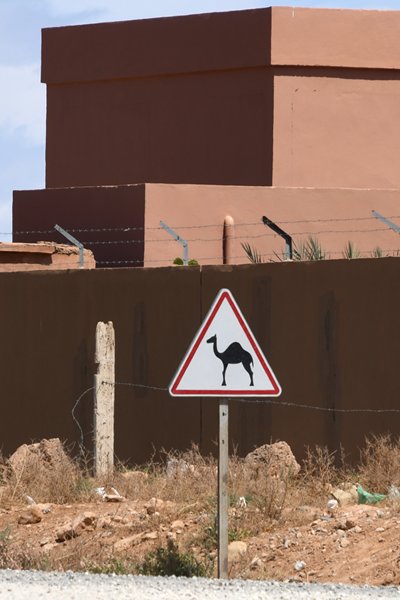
(358, 544)
(338, 542)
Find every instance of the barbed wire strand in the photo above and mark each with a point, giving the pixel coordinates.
(271, 257)
(126, 228)
(236, 237)
(264, 401)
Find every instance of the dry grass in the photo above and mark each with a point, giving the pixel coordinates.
(183, 478)
(188, 481)
(60, 481)
(380, 463)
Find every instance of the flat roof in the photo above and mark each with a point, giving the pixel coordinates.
(277, 36)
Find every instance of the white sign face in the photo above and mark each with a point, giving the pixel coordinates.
(224, 358)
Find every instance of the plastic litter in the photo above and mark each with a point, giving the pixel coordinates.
(394, 493)
(365, 497)
(101, 491)
(241, 503)
(299, 565)
(332, 504)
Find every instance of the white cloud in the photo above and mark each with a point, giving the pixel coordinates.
(22, 103)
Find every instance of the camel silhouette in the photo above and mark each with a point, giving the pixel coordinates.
(233, 355)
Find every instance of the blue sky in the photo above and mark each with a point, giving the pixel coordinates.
(22, 101)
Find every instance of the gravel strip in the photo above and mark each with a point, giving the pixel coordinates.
(32, 585)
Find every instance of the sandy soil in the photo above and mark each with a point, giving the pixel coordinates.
(357, 544)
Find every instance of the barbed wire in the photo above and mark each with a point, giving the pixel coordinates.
(254, 400)
(126, 229)
(236, 237)
(362, 254)
(270, 257)
(92, 388)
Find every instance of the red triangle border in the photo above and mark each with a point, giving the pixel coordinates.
(276, 391)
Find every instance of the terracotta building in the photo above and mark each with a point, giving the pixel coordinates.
(211, 120)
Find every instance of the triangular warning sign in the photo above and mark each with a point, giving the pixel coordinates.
(224, 358)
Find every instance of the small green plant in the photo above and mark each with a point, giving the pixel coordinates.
(210, 535)
(209, 538)
(191, 262)
(236, 533)
(351, 251)
(310, 249)
(169, 561)
(252, 253)
(4, 541)
(377, 252)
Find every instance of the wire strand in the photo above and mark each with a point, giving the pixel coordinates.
(125, 228)
(266, 401)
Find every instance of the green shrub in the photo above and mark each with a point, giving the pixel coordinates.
(192, 262)
(169, 561)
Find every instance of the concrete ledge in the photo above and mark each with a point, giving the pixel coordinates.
(367, 39)
(43, 255)
(150, 47)
(221, 41)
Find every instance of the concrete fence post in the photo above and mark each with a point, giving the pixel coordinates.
(104, 395)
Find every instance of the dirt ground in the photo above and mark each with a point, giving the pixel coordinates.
(357, 544)
(286, 522)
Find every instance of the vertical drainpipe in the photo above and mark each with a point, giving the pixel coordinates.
(228, 240)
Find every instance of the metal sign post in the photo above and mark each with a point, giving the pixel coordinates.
(224, 360)
(223, 496)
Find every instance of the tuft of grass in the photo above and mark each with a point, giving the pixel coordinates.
(309, 249)
(252, 253)
(319, 468)
(60, 481)
(380, 463)
(167, 561)
(351, 251)
(377, 252)
(20, 558)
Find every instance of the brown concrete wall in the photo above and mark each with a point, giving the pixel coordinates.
(47, 354)
(180, 100)
(324, 330)
(333, 216)
(110, 216)
(328, 330)
(282, 96)
(213, 127)
(155, 47)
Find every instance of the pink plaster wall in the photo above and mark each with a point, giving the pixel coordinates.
(336, 131)
(335, 37)
(333, 216)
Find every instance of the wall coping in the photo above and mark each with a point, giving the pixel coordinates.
(277, 36)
